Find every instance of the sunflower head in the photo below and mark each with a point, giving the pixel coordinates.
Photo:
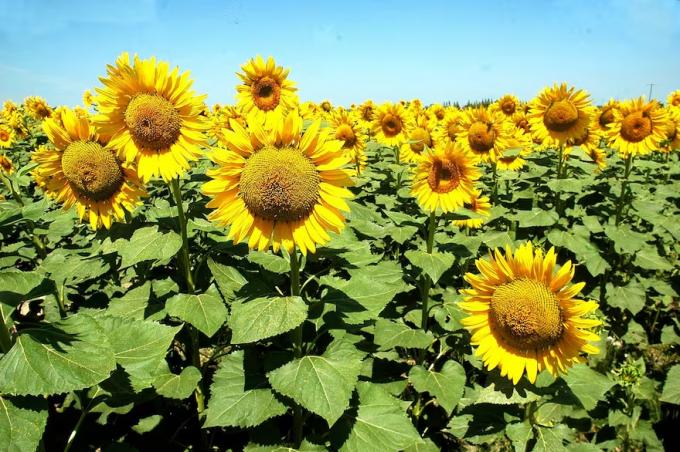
(508, 104)
(560, 113)
(391, 124)
(266, 90)
(483, 133)
(444, 178)
(524, 316)
(437, 111)
(6, 165)
(674, 99)
(478, 204)
(6, 136)
(638, 127)
(80, 169)
(37, 107)
(279, 187)
(152, 116)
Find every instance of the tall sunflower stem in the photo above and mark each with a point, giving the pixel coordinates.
(624, 184)
(184, 262)
(558, 175)
(426, 281)
(494, 192)
(297, 344)
(6, 341)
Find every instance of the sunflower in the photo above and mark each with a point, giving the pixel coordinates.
(365, 113)
(672, 141)
(508, 105)
(415, 106)
(524, 317)
(88, 98)
(83, 170)
(520, 120)
(309, 110)
(6, 136)
(438, 111)
(222, 120)
(37, 107)
(6, 165)
(638, 127)
(420, 138)
(448, 129)
(326, 106)
(17, 122)
(590, 144)
(517, 145)
(266, 91)
(391, 124)
(674, 99)
(344, 128)
(152, 115)
(8, 107)
(483, 132)
(480, 205)
(444, 178)
(604, 116)
(560, 113)
(276, 186)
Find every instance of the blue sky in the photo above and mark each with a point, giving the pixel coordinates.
(351, 50)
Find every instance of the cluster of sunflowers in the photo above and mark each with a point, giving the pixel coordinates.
(282, 170)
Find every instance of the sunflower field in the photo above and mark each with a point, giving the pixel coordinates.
(278, 275)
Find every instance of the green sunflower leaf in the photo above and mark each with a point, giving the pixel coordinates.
(206, 311)
(262, 318)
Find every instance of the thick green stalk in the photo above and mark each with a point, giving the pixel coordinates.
(624, 185)
(5, 338)
(297, 343)
(185, 264)
(427, 281)
(494, 192)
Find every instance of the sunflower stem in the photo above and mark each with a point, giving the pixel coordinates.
(6, 341)
(297, 343)
(426, 281)
(494, 192)
(558, 175)
(624, 185)
(184, 262)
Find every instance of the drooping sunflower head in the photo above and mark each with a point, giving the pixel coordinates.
(674, 99)
(448, 129)
(326, 106)
(82, 170)
(604, 116)
(445, 178)
(437, 111)
(8, 108)
(365, 113)
(279, 187)
(516, 146)
(6, 136)
(6, 165)
(638, 127)
(483, 133)
(524, 316)
(560, 113)
(266, 90)
(345, 128)
(37, 107)
(480, 205)
(672, 141)
(391, 124)
(508, 104)
(152, 116)
(415, 106)
(520, 120)
(420, 138)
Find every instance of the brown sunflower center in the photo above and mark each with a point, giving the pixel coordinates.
(580, 140)
(367, 113)
(345, 133)
(636, 126)
(444, 176)
(560, 116)
(606, 117)
(676, 101)
(439, 114)
(326, 106)
(508, 106)
(481, 136)
(452, 130)
(526, 314)
(523, 124)
(279, 184)
(391, 125)
(5, 164)
(92, 171)
(153, 121)
(266, 93)
(420, 138)
(4, 135)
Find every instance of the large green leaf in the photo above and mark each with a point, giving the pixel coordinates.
(228, 279)
(359, 299)
(625, 239)
(390, 334)
(536, 217)
(205, 311)
(432, 264)
(133, 304)
(253, 320)
(240, 397)
(177, 386)
(587, 385)
(322, 384)
(269, 261)
(631, 297)
(649, 259)
(70, 354)
(671, 389)
(380, 423)
(148, 244)
(15, 285)
(72, 268)
(446, 385)
(139, 346)
(22, 421)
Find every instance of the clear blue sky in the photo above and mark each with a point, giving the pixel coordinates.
(348, 51)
